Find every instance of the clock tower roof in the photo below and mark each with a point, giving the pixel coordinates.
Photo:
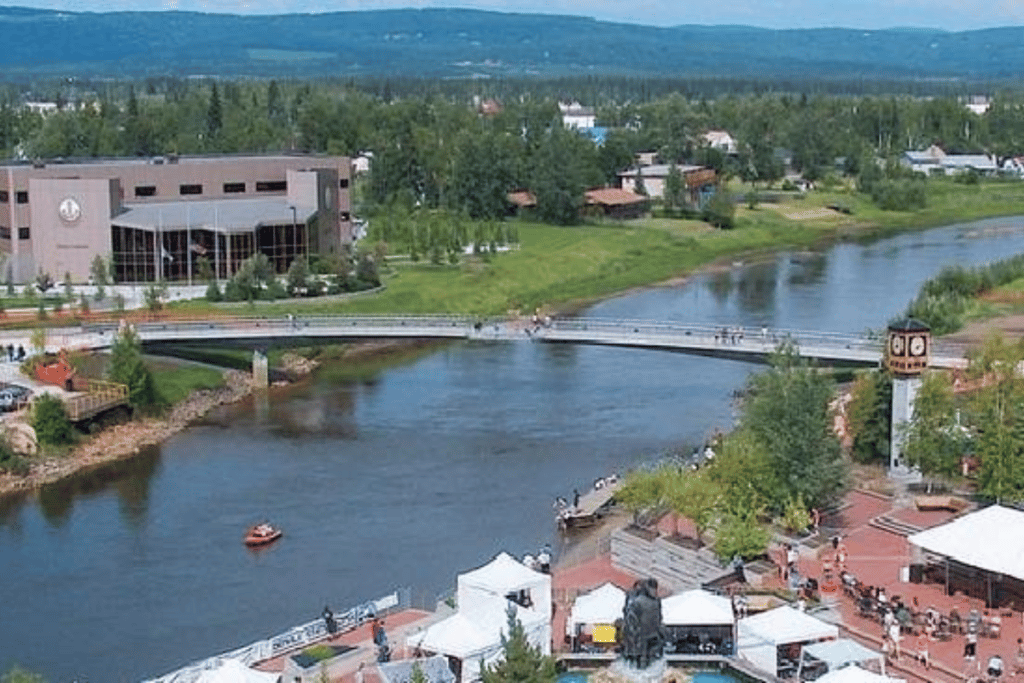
(909, 325)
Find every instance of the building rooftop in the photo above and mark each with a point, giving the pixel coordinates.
(225, 215)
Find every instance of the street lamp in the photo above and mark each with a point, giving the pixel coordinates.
(295, 220)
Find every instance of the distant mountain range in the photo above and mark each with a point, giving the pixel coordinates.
(454, 43)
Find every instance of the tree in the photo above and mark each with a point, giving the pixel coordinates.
(933, 441)
(673, 188)
(788, 412)
(696, 497)
(127, 367)
(214, 114)
(869, 415)
(69, 288)
(50, 420)
(719, 210)
(998, 416)
(18, 675)
(298, 277)
(154, 296)
(523, 662)
(98, 271)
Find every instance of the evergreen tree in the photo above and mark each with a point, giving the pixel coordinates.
(523, 662)
(214, 115)
(869, 415)
(127, 367)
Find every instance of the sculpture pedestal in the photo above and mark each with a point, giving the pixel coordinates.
(621, 671)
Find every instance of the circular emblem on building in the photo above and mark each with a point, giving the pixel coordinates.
(69, 210)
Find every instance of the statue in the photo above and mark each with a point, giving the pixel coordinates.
(641, 638)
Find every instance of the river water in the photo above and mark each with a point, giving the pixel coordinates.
(403, 477)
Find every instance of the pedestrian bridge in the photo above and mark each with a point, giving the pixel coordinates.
(732, 342)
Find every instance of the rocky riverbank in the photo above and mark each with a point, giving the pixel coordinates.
(125, 440)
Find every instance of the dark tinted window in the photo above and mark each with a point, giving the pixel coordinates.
(145, 190)
(191, 189)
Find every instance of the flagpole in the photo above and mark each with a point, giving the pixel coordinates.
(188, 244)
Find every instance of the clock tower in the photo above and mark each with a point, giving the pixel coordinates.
(907, 350)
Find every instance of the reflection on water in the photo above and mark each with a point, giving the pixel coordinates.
(130, 479)
(756, 285)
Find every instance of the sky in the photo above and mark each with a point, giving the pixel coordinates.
(950, 15)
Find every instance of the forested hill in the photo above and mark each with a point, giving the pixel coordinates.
(470, 43)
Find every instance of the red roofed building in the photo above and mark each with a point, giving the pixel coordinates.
(617, 203)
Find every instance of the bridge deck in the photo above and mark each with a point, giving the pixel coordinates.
(749, 344)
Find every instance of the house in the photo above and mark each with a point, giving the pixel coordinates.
(521, 199)
(614, 202)
(575, 115)
(978, 104)
(698, 181)
(490, 107)
(646, 158)
(720, 140)
(935, 160)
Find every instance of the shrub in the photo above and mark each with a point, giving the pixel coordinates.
(50, 420)
(11, 462)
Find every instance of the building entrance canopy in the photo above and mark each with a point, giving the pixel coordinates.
(225, 216)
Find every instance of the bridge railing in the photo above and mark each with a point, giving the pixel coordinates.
(723, 334)
(291, 323)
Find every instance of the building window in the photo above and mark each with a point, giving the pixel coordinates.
(5, 233)
(190, 189)
(343, 183)
(5, 196)
(23, 234)
(271, 185)
(345, 216)
(145, 190)
(234, 187)
(22, 196)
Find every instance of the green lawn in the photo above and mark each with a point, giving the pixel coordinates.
(560, 266)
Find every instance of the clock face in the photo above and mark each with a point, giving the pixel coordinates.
(917, 345)
(69, 210)
(896, 345)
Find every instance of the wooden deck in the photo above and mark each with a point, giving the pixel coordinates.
(592, 506)
(98, 397)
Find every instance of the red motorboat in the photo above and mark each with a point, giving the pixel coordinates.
(261, 534)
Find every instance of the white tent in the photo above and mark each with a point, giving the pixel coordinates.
(484, 597)
(233, 671)
(434, 669)
(603, 605)
(991, 539)
(855, 674)
(761, 635)
(838, 653)
(698, 608)
(485, 589)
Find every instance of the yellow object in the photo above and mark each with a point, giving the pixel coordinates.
(604, 633)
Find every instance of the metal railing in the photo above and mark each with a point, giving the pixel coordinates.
(293, 639)
(99, 396)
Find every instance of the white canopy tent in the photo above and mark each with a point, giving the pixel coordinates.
(991, 539)
(484, 595)
(855, 674)
(761, 635)
(484, 589)
(699, 621)
(603, 605)
(233, 671)
(836, 654)
(696, 608)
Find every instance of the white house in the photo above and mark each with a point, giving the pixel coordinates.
(696, 180)
(575, 115)
(720, 140)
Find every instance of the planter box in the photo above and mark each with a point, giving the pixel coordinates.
(302, 668)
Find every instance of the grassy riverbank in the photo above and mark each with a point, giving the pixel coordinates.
(562, 266)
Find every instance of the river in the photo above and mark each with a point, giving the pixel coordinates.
(404, 477)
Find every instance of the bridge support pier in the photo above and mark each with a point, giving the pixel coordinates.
(260, 370)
